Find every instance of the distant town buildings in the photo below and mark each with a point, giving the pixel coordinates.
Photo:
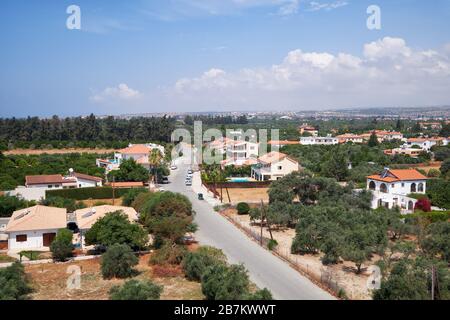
(383, 135)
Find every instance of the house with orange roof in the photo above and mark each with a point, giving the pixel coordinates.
(391, 188)
(138, 152)
(350, 137)
(34, 228)
(383, 135)
(273, 166)
(310, 130)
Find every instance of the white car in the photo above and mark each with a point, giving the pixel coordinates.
(173, 167)
(190, 171)
(188, 183)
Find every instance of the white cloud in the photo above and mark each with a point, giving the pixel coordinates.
(121, 92)
(388, 73)
(317, 6)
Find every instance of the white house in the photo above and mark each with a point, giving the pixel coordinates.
(3, 224)
(383, 135)
(425, 143)
(329, 140)
(35, 228)
(392, 187)
(273, 166)
(51, 181)
(85, 218)
(305, 128)
(241, 152)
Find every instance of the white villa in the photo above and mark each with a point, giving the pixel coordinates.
(273, 166)
(138, 152)
(426, 143)
(329, 140)
(34, 228)
(392, 187)
(241, 153)
(350, 137)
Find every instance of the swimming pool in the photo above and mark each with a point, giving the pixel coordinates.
(239, 179)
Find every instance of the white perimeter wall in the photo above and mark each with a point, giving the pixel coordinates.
(34, 239)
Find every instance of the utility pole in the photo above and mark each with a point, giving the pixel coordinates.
(262, 217)
(114, 190)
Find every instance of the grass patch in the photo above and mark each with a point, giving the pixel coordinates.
(33, 255)
(5, 258)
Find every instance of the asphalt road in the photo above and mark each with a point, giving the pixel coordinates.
(265, 270)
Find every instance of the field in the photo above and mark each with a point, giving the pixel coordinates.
(49, 282)
(57, 151)
(251, 195)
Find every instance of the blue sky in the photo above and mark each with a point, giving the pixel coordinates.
(199, 55)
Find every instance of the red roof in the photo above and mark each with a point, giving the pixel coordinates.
(87, 177)
(47, 179)
(136, 149)
(399, 175)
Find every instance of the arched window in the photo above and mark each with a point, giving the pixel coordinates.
(410, 206)
(383, 188)
(413, 188)
(420, 187)
(372, 185)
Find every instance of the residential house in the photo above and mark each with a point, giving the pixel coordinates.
(282, 143)
(350, 137)
(51, 181)
(383, 135)
(86, 218)
(273, 166)
(430, 125)
(426, 143)
(35, 228)
(391, 188)
(240, 153)
(411, 152)
(310, 130)
(3, 235)
(138, 152)
(329, 140)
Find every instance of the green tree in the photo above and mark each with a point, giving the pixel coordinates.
(62, 246)
(115, 228)
(14, 284)
(10, 204)
(195, 263)
(373, 140)
(118, 261)
(59, 202)
(136, 290)
(129, 171)
(437, 240)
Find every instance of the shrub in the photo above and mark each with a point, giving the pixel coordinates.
(118, 261)
(129, 197)
(263, 294)
(169, 253)
(423, 204)
(243, 208)
(62, 246)
(220, 282)
(136, 290)
(87, 193)
(60, 202)
(272, 244)
(195, 263)
(14, 284)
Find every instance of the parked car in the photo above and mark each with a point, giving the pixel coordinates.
(200, 196)
(173, 167)
(188, 183)
(190, 171)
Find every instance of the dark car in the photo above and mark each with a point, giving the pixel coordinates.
(200, 196)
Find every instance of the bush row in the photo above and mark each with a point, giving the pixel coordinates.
(87, 193)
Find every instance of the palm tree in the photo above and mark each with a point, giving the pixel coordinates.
(154, 159)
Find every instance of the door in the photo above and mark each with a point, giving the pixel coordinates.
(47, 239)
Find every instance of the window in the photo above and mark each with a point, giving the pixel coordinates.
(420, 188)
(372, 185)
(413, 188)
(21, 238)
(403, 184)
(383, 188)
(393, 185)
(50, 186)
(280, 167)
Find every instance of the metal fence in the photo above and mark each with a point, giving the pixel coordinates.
(325, 278)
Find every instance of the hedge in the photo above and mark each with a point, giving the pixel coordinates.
(87, 193)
